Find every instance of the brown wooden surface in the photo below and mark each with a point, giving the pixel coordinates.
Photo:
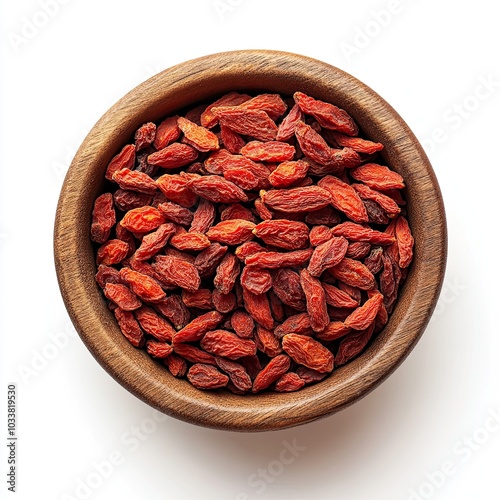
(198, 81)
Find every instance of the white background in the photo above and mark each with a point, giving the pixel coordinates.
(429, 431)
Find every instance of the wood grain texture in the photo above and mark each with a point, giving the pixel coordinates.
(202, 80)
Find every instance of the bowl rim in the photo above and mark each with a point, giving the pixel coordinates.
(171, 89)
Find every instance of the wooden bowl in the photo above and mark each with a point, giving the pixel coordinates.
(197, 81)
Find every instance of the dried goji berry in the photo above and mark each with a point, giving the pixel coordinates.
(327, 115)
(312, 144)
(232, 141)
(173, 156)
(198, 327)
(283, 233)
(198, 137)
(103, 218)
(262, 211)
(378, 176)
(327, 255)
(376, 214)
(176, 188)
(298, 323)
(338, 298)
(387, 280)
(180, 272)
(176, 365)
(353, 344)
(209, 119)
(359, 145)
(153, 324)
(268, 151)
(388, 204)
(124, 159)
(358, 250)
(224, 302)
(144, 135)
(344, 198)
(245, 179)
(112, 252)
(182, 240)
(143, 286)
(227, 344)
(288, 172)
(242, 323)
(256, 280)
(122, 296)
(174, 310)
(248, 248)
(308, 352)
(129, 327)
(204, 217)
(227, 272)
(320, 235)
(301, 199)
(176, 213)
(206, 262)
(236, 372)
(253, 122)
(277, 260)
(405, 242)
(286, 285)
(166, 133)
(194, 354)
(259, 309)
(363, 316)
(289, 382)
(231, 232)
(199, 299)
(142, 219)
(271, 372)
(309, 376)
(272, 104)
(237, 211)
(353, 273)
(127, 200)
(217, 189)
(286, 128)
(277, 307)
(153, 242)
(357, 232)
(146, 268)
(107, 274)
(374, 260)
(158, 349)
(315, 301)
(334, 331)
(206, 377)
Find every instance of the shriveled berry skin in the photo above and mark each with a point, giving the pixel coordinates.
(252, 242)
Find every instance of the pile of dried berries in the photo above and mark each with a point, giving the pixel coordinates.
(248, 247)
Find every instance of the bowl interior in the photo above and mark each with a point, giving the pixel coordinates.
(202, 80)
